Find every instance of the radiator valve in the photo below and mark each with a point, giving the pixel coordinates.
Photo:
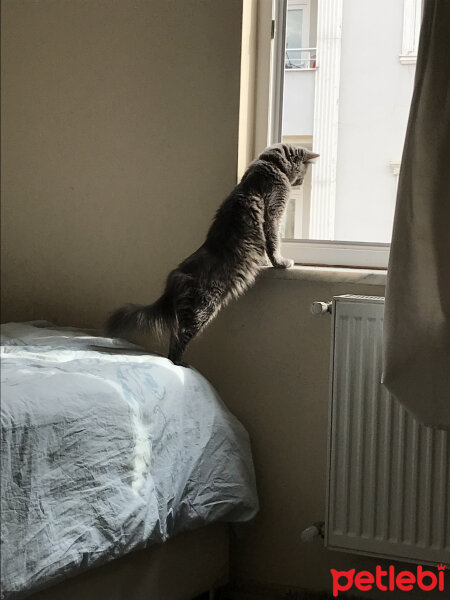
(320, 308)
(314, 531)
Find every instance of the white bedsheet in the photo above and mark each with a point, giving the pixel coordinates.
(106, 449)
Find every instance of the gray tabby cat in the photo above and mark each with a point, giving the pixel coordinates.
(244, 232)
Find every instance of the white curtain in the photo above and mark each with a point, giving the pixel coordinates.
(417, 312)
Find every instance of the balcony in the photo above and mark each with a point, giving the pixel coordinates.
(300, 58)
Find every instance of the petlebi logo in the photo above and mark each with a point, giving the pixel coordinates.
(388, 580)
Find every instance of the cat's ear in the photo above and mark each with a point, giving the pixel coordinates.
(310, 156)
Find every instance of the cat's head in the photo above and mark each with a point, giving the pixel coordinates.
(292, 160)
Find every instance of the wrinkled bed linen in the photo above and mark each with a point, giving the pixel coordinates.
(106, 449)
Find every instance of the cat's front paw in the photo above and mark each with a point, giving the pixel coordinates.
(284, 263)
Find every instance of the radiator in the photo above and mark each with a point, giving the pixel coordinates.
(388, 474)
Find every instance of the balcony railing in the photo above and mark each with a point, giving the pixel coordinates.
(300, 58)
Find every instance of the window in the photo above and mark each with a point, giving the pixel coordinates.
(343, 75)
(297, 54)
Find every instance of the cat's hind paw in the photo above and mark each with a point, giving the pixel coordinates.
(181, 363)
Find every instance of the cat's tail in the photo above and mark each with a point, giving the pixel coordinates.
(154, 318)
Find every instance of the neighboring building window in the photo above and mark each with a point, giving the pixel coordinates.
(298, 54)
(412, 17)
(346, 95)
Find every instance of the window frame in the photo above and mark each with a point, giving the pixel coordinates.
(271, 28)
(360, 255)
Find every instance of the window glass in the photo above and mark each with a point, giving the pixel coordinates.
(294, 26)
(347, 97)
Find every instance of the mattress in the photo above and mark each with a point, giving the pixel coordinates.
(106, 449)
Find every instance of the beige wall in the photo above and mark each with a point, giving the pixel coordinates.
(119, 141)
(269, 359)
(120, 125)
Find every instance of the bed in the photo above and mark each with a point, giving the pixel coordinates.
(119, 470)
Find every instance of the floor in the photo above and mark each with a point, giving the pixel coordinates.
(234, 594)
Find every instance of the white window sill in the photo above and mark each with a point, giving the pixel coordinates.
(328, 274)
